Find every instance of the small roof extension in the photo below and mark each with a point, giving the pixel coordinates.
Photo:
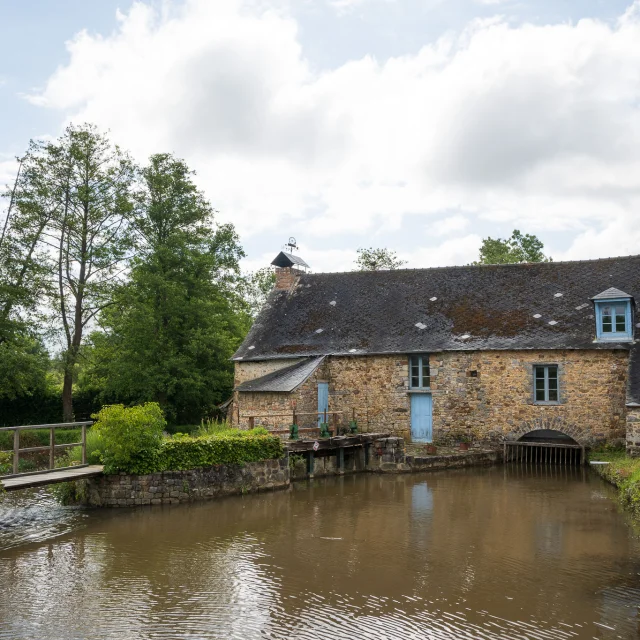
(288, 260)
(610, 294)
(283, 380)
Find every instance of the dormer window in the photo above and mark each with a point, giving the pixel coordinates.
(613, 315)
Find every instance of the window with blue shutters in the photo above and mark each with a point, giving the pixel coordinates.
(613, 320)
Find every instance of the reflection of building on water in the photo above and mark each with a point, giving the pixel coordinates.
(477, 551)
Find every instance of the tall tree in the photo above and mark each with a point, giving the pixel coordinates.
(180, 318)
(25, 270)
(378, 260)
(517, 248)
(92, 180)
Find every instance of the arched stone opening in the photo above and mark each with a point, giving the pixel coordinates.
(549, 436)
(547, 427)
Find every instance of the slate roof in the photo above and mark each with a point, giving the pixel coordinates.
(288, 260)
(611, 293)
(633, 382)
(286, 379)
(522, 306)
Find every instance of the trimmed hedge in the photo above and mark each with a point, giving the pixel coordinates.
(230, 447)
(185, 452)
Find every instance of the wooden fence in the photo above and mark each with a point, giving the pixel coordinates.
(51, 447)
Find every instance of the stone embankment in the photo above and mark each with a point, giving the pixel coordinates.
(337, 457)
(379, 455)
(173, 487)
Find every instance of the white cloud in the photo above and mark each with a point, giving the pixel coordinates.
(534, 126)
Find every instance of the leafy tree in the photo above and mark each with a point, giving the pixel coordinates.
(25, 277)
(176, 323)
(378, 260)
(517, 248)
(255, 287)
(92, 181)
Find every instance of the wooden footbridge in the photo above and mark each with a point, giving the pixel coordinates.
(52, 475)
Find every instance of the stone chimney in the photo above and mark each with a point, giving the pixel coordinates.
(286, 277)
(288, 269)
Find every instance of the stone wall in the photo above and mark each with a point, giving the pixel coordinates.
(497, 401)
(384, 455)
(633, 431)
(173, 487)
(488, 395)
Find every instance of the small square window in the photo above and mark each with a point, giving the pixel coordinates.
(420, 374)
(546, 383)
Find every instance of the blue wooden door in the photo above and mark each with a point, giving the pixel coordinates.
(323, 400)
(421, 424)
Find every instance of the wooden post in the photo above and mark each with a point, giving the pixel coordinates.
(84, 444)
(310, 465)
(252, 422)
(16, 450)
(52, 442)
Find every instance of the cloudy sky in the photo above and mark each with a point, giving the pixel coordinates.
(420, 125)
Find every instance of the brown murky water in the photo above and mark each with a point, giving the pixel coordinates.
(489, 553)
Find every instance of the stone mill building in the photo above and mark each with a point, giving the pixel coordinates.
(489, 352)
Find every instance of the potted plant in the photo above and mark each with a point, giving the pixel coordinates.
(463, 442)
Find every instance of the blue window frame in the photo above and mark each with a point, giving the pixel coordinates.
(545, 380)
(613, 320)
(419, 373)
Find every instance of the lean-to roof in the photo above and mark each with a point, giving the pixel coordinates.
(283, 380)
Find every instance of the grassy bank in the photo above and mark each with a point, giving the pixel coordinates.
(623, 472)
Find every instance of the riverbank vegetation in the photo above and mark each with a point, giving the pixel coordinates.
(133, 440)
(623, 472)
(117, 285)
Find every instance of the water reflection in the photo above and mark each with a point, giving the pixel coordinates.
(496, 553)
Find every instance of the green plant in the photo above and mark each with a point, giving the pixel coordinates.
(295, 459)
(69, 492)
(131, 438)
(230, 447)
(212, 426)
(94, 450)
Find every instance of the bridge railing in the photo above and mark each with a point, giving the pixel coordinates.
(52, 447)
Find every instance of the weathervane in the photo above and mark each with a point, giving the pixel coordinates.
(291, 245)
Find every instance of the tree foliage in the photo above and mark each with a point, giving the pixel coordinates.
(517, 248)
(174, 326)
(378, 260)
(255, 287)
(123, 274)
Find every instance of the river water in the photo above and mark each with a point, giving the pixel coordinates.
(479, 553)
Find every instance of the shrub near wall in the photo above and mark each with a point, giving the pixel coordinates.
(131, 442)
(229, 447)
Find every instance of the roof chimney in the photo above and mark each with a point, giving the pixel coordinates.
(288, 267)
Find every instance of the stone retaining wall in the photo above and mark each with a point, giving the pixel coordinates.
(173, 487)
(387, 455)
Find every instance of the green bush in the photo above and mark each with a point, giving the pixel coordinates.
(130, 437)
(229, 447)
(94, 450)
